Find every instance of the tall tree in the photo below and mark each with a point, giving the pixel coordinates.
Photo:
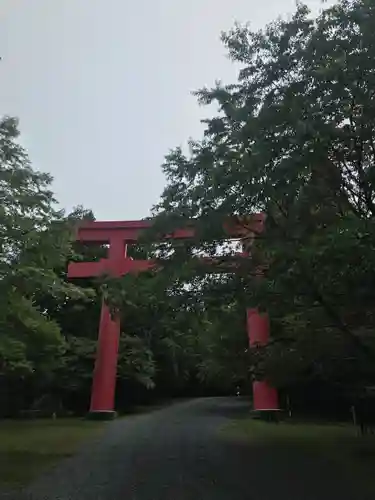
(35, 240)
(294, 138)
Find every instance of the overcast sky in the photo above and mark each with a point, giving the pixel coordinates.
(103, 88)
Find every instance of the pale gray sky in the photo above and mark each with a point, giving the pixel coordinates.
(103, 87)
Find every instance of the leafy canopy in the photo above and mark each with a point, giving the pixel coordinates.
(294, 139)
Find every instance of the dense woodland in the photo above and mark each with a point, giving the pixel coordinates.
(294, 138)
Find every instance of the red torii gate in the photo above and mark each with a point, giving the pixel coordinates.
(118, 234)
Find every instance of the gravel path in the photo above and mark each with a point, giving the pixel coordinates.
(178, 453)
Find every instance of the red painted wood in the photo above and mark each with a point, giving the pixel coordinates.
(130, 231)
(101, 231)
(104, 377)
(265, 397)
(121, 266)
(258, 327)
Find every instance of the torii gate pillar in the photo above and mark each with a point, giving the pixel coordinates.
(265, 397)
(105, 370)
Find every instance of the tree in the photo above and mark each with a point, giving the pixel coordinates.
(294, 138)
(35, 240)
(196, 342)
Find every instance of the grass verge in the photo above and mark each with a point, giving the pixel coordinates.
(28, 447)
(335, 443)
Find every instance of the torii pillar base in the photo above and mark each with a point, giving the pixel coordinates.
(101, 416)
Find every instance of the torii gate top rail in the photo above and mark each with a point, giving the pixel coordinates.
(130, 230)
(127, 230)
(120, 233)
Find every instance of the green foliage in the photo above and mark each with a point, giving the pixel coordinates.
(136, 361)
(34, 240)
(193, 337)
(36, 243)
(294, 138)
